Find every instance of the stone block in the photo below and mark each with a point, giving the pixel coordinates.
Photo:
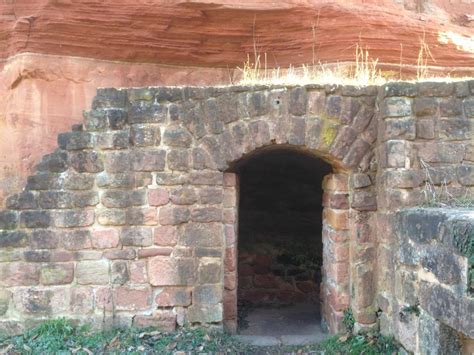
(113, 140)
(92, 272)
(86, 161)
(257, 103)
(109, 97)
(57, 274)
(56, 162)
(173, 297)
(125, 254)
(425, 106)
(138, 273)
(141, 216)
(443, 152)
(105, 238)
(465, 174)
(44, 181)
(207, 294)
(202, 235)
(142, 135)
(209, 271)
(55, 199)
(148, 160)
(210, 196)
(158, 197)
(76, 239)
(133, 299)
(123, 198)
(8, 220)
(43, 239)
(435, 89)
(298, 101)
(435, 337)
(445, 265)
(41, 302)
(168, 271)
(398, 129)
(75, 140)
(112, 217)
(25, 200)
(177, 137)
(394, 154)
(150, 252)
(35, 219)
(173, 215)
(399, 89)
(117, 162)
(360, 180)
(450, 107)
(205, 313)
(396, 107)
(75, 181)
(206, 214)
(19, 274)
(136, 236)
(468, 105)
(165, 235)
(362, 119)
(425, 129)
(364, 201)
(455, 129)
(73, 218)
(162, 320)
(178, 160)
(5, 298)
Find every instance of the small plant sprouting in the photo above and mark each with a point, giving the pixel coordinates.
(412, 309)
(348, 320)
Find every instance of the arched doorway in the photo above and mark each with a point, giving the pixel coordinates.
(280, 244)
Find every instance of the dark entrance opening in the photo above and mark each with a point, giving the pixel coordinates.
(280, 243)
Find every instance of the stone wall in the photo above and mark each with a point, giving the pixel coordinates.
(133, 219)
(433, 304)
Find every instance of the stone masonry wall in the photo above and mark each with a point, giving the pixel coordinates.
(133, 219)
(425, 156)
(433, 301)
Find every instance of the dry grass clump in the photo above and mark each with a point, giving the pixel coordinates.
(362, 72)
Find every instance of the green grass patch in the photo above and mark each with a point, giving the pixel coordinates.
(61, 337)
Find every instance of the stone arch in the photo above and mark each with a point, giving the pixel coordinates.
(128, 220)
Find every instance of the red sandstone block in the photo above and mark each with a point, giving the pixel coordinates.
(366, 316)
(173, 296)
(337, 219)
(105, 238)
(230, 260)
(230, 179)
(337, 299)
(336, 200)
(336, 182)
(338, 272)
(163, 320)
(82, 300)
(138, 273)
(57, 274)
(149, 252)
(230, 305)
(166, 236)
(230, 236)
(158, 197)
(132, 299)
(230, 281)
(61, 256)
(103, 298)
(19, 274)
(229, 215)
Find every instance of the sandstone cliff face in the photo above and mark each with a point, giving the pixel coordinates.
(57, 52)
